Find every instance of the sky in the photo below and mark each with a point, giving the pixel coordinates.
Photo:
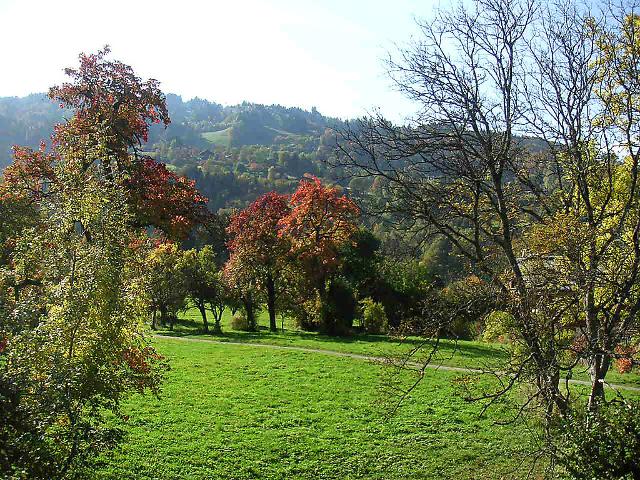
(305, 53)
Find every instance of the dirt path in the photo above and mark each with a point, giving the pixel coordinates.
(368, 358)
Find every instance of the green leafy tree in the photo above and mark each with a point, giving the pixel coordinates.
(203, 284)
(243, 290)
(165, 285)
(72, 342)
(219, 300)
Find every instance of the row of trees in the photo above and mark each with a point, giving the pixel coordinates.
(283, 251)
(306, 257)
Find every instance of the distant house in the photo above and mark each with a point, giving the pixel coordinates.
(205, 154)
(540, 271)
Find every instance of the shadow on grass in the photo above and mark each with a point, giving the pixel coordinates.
(186, 327)
(468, 353)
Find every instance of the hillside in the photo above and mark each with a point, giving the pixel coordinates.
(233, 152)
(26, 121)
(196, 123)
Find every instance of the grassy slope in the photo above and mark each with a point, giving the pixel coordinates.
(468, 354)
(239, 413)
(284, 133)
(220, 137)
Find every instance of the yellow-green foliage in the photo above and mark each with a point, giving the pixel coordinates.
(498, 327)
(374, 318)
(239, 322)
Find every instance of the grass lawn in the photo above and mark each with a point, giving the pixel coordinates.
(284, 133)
(463, 353)
(237, 412)
(220, 137)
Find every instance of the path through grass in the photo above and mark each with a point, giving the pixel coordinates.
(462, 353)
(240, 413)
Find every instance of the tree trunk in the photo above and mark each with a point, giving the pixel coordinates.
(327, 324)
(271, 303)
(217, 315)
(250, 311)
(154, 326)
(163, 315)
(597, 371)
(203, 313)
(251, 319)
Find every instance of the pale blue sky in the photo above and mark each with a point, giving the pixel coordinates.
(303, 53)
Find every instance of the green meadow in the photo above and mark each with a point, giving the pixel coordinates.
(246, 412)
(219, 137)
(240, 412)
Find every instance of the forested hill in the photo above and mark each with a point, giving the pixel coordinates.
(233, 152)
(26, 121)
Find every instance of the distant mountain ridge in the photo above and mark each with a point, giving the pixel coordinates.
(198, 123)
(234, 153)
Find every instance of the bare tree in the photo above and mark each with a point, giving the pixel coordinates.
(550, 219)
(582, 97)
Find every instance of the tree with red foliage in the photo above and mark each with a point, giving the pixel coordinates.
(111, 101)
(256, 248)
(72, 346)
(162, 199)
(112, 112)
(30, 175)
(319, 223)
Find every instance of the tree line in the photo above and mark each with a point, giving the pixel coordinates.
(304, 256)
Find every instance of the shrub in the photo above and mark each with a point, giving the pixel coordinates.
(402, 288)
(334, 316)
(240, 322)
(601, 444)
(463, 303)
(307, 314)
(340, 308)
(374, 318)
(498, 326)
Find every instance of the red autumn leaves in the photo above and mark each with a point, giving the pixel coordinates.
(112, 112)
(255, 230)
(320, 221)
(30, 174)
(306, 228)
(311, 224)
(109, 93)
(165, 200)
